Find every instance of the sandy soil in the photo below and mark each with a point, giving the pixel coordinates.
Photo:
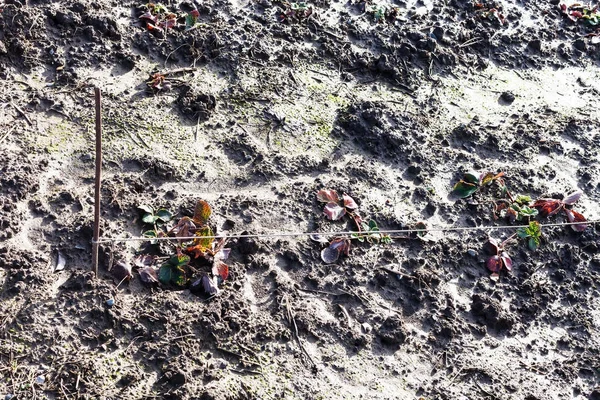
(265, 106)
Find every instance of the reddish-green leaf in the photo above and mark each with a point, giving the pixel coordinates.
(334, 211)
(489, 177)
(202, 212)
(327, 196)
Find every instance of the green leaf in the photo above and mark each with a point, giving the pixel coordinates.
(190, 21)
(165, 274)
(523, 199)
(149, 218)
(163, 215)
(149, 234)
(522, 233)
(205, 243)
(179, 260)
(422, 229)
(529, 212)
(373, 226)
(464, 189)
(533, 243)
(146, 208)
(178, 276)
(471, 177)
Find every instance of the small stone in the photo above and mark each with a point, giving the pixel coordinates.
(580, 45)
(40, 380)
(508, 97)
(472, 253)
(366, 328)
(110, 302)
(535, 44)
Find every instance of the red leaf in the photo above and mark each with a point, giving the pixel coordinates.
(327, 196)
(576, 14)
(149, 16)
(511, 215)
(548, 207)
(334, 211)
(152, 27)
(494, 263)
(572, 198)
(195, 13)
(574, 216)
(221, 270)
(349, 202)
(492, 246)
(506, 260)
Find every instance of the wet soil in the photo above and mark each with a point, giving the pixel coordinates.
(263, 108)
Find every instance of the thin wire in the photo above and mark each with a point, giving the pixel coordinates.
(342, 233)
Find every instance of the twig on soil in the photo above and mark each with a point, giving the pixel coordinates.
(319, 292)
(294, 328)
(23, 83)
(7, 133)
(486, 392)
(470, 42)
(246, 371)
(394, 272)
(178, 71)
(20, 111)
(171, 53)
(345, 312)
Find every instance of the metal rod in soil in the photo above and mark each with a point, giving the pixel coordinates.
(98, 98)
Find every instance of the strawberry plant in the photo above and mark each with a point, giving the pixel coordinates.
(499, 258)
(293, 12)
(158, 18)
(533, 234)
(518, 210)
(196, 248)
(336, 208)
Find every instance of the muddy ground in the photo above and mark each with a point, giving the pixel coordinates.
(265, 107)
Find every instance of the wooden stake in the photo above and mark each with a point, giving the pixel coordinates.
(98, 98)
